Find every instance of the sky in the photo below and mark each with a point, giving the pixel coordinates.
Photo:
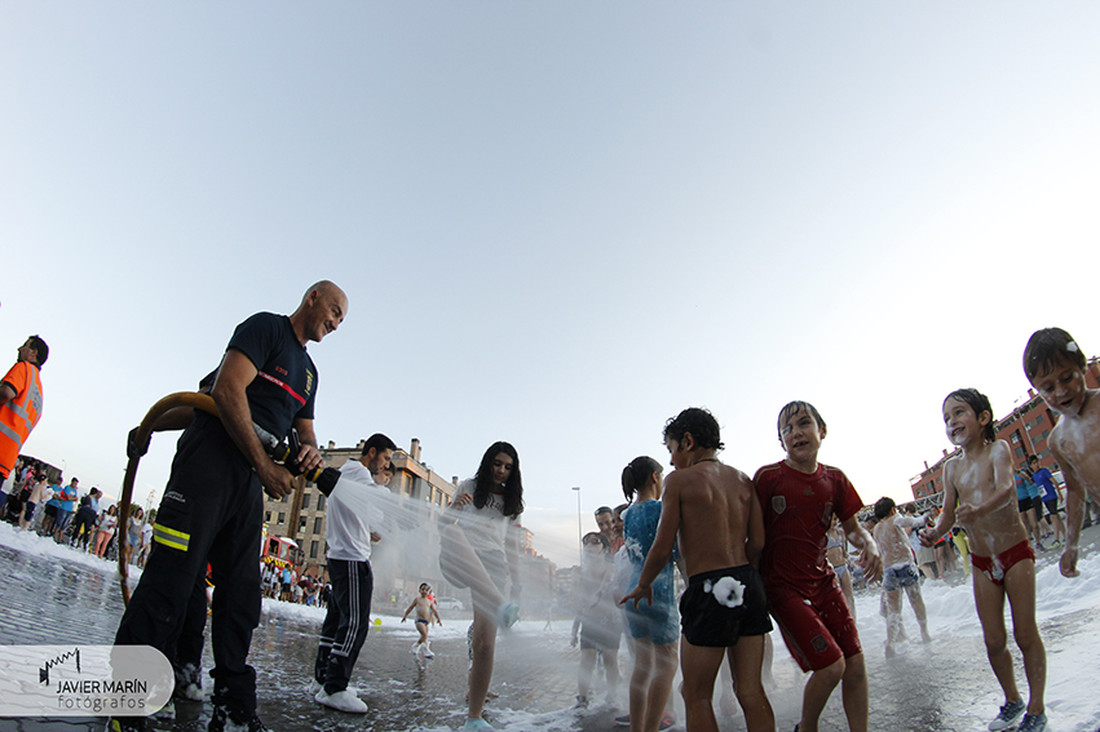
(558, 224)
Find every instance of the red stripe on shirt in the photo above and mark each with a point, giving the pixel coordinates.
(285, 386)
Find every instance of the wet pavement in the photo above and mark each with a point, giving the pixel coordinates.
(945, 685)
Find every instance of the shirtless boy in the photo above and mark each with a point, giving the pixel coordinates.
(425, 609)
(723, 610)
(1055, 365)
(892, 535)
(980, 480)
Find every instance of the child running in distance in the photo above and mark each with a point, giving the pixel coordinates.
(480, 549)
(425, 609)
(598, 619)
(980, 480)
(899, 559)
(653, 626)
(799, 498)
(1055, 365)
(714, 510)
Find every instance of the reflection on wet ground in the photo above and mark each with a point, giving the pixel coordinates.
(945, 685)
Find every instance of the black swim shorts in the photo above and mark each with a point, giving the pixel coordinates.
(720, 606)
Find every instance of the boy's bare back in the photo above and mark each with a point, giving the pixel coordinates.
(718, 513)
(974, 479)
(892, 535)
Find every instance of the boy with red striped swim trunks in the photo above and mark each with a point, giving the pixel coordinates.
(980, 480)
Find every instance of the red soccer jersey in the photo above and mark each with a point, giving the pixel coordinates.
(798, 508)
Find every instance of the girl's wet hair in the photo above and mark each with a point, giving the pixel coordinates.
(792, 408)
(700, 423)
(637, 473)
(513, 488)
(1046, 347)
(979, 403)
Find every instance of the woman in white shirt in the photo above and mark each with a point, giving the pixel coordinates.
(480, 540)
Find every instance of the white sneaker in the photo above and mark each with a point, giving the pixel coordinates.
(344, 701)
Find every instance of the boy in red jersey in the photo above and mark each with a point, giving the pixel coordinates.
(799, 498)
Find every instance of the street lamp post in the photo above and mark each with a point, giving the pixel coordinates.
(580, 549)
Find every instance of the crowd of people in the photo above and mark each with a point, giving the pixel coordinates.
(64, 513)
(753, 551)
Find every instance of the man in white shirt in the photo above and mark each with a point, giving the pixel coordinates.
(353, 512)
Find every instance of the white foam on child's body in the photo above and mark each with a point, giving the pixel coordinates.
(727, 591)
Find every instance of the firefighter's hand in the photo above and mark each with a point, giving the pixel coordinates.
(276, 480)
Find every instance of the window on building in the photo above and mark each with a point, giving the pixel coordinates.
(321, 502)
(305, 500)
(301, 523)
(283, 499)
(318, 524)
(267, 517)
(282, 518)
(1015, 437)
(313, 549)
(1020, 452)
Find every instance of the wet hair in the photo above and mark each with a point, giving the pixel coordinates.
(637, 473)
(41, 350)
(600, 539)
(883, 507)
(1032, 459)
(700, 423)
(379, 442)
(424, 586)
(1046, 347)
(979, 403)
(513, 488)
(792, 408)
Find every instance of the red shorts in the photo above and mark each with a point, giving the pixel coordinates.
(995, 568)
(817, 625)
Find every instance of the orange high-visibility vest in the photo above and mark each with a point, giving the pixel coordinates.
(19, 415)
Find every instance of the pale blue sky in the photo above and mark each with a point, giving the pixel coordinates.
(557, 223)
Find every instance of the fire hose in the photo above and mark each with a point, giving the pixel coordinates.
(281, 452)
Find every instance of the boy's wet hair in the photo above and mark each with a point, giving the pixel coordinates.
(1046, 347)
(792, 408)
(424, 586)
(597, 537)
(883, 507)
(637, 473)
(979, 403)
(700, 423)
